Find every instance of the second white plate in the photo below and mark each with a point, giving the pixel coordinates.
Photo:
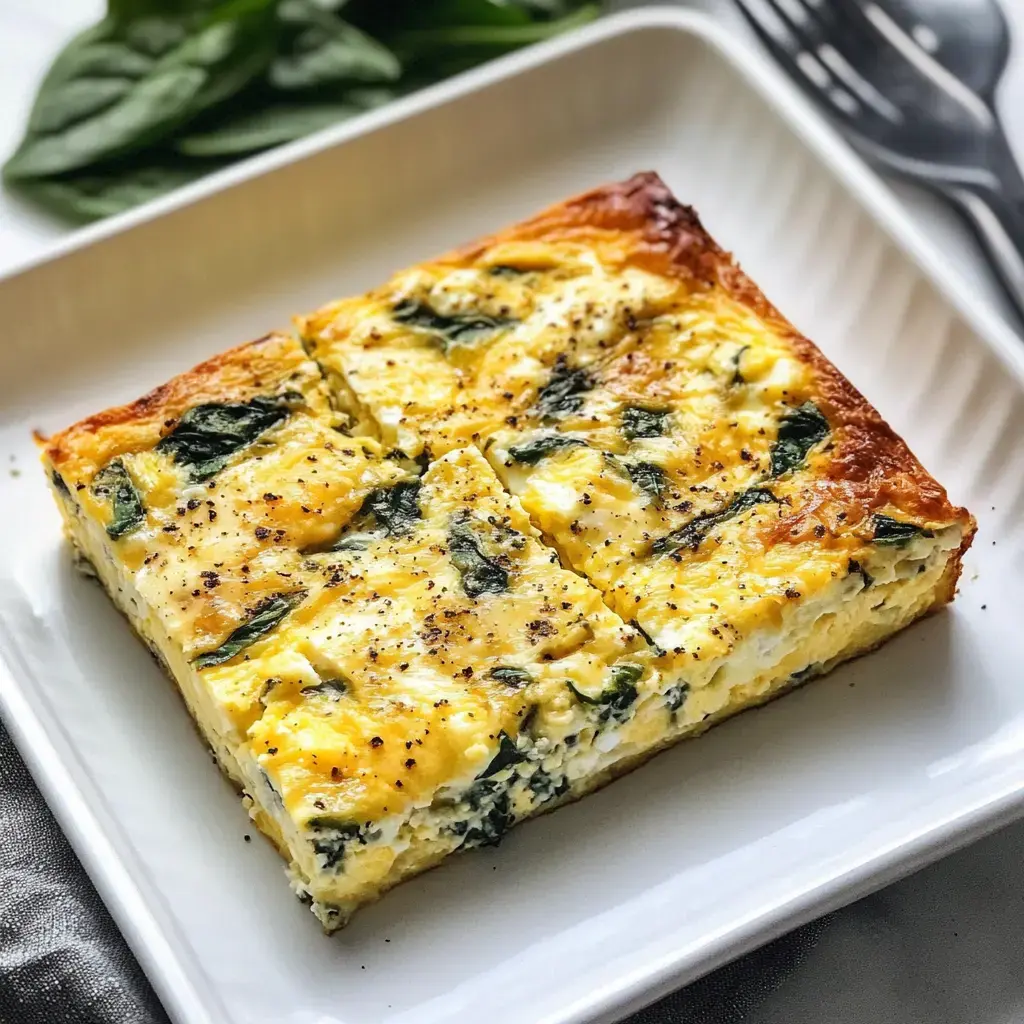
(713, 847)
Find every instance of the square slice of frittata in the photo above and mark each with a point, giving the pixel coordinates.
(498, 531)
(192, 507)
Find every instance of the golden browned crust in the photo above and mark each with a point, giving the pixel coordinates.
(258, 367)
(639, 220)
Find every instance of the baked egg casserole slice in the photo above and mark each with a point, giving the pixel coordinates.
(496, 532)
(391, 665)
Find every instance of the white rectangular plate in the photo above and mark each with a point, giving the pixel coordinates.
(713, 847)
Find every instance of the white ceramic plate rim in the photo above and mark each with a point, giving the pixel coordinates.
(50, 758)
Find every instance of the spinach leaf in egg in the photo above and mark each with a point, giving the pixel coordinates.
(480, 574)
(564, 392)
(545, 787)
(896, 531)
(539, 448)
(113, 483)
(385, 512)
(262, 620)
(60, 484)
(648, 639)
(395, 509)
(209, 434)
(333, 688)
(693, 533)
(800, 430)
(737, 373)
(492, 814)
(516, 678)
(508, 754)
(332, 837)
(618, 696)
(648, 477)
(638, 421)
(675, 696)
(450, 331)
(853, 566)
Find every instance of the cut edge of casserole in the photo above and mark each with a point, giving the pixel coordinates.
(853, 542)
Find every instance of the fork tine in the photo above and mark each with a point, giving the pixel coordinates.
(865, 46)
(845, 20)
(841, 37)
(795, 40)
(819, 22)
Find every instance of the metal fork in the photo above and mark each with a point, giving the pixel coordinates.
(905, 112)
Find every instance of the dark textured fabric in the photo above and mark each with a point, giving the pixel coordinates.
(63, 961)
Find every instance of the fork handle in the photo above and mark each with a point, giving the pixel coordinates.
(995, 209)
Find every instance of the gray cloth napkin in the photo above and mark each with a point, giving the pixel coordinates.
(63, 961)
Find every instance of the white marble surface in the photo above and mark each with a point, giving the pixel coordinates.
(943, 947)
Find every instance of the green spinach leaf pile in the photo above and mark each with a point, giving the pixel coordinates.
(161, 92)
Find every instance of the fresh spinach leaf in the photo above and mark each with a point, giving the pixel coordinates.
(896, 531)
(452, 13)
(123, 85)
(638, 421)
(541, 447)
(648, 477)
(333, 837)
(508, 754)
(316, 48)
(263, 620)
(564, 391)
(113, 483)
(450, 331)
(692, 534)
(209, 434)
(251, 130)
(548, 8)
(621, 693)
(480, 574)
(215, 79)
(511, 676)
(115, 187)
(799, 431)
(479, 39)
